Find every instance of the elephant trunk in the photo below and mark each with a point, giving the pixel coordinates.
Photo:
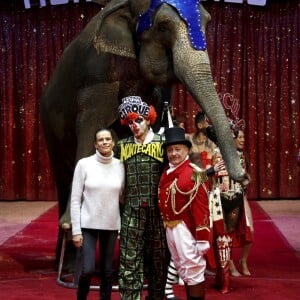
(192, 68)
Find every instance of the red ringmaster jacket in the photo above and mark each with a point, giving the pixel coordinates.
(195, 215)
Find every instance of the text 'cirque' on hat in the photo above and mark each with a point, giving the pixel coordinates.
(133, 104)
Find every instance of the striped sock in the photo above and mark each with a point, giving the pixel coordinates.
(171, 279)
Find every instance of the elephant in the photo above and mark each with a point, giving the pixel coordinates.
(131, 47)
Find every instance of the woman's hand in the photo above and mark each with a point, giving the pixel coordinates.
(220, 166)
(77, 240)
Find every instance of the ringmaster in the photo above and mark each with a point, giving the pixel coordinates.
(184, 207)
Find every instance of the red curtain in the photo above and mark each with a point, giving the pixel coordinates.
(31, 44)
(254, 54)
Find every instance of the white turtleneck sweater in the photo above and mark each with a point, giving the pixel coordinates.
(97, 185)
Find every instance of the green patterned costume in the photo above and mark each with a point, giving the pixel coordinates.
(143, 248)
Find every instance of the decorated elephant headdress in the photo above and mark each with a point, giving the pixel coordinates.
(189, 12)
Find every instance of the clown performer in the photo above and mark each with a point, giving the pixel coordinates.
(232, 219)
(184, 206)
(143, 248)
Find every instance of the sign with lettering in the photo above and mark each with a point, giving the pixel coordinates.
(251, 2)
(42, 3)
(232, 109)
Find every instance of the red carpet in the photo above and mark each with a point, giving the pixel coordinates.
(27, 259)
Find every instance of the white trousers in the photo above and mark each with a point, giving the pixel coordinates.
(187, 254)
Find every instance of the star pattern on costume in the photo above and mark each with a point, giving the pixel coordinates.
(216, 207)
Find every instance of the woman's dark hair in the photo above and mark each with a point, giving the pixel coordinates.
(200, 117)
(211, 134)
(236, 131)
(102, 129)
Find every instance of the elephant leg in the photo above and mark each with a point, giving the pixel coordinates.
(94, 112)
(97, 107)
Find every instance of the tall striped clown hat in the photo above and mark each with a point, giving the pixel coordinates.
(132, 107)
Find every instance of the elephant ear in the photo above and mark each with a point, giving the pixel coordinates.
(205, 17)
(115, 31)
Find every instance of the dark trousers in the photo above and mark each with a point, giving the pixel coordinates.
(107, 241)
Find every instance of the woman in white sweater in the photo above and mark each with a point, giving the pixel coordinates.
(97, 188)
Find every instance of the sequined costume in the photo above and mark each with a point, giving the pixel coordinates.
(143, 248)
(230, 222)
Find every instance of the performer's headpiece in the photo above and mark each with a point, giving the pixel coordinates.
(132, 107)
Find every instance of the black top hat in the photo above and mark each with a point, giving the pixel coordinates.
(175, 135)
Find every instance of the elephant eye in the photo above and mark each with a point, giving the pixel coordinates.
(163, 26)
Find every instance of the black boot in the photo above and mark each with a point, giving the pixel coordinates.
(197, 292)
(83, 287)
(105, 289)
